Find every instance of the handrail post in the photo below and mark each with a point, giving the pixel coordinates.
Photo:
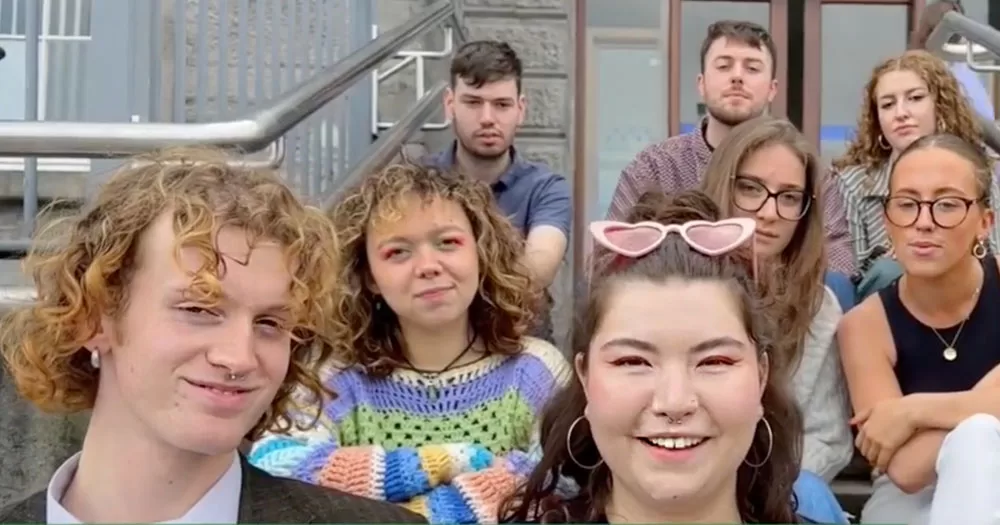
(974, 33)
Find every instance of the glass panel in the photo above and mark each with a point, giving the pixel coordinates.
(979, 10)
(626, 90)
(624, 13)
(695, 19)
(631, 112)
(848, 62)
(12, 87)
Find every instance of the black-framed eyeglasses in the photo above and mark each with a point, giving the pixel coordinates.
(750, 195)
(946, 212)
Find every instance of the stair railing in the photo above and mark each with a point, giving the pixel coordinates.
(262, 128)
(982, 40)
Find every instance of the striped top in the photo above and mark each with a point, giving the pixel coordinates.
(451, 448)
(678, 164)
(863, 196)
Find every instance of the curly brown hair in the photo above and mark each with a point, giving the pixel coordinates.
(82, 269)
(953, 112)
(764, 494)
(502, 310)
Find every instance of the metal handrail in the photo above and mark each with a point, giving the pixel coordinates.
(248, 135)
(975, 33)
(264, 127)
(389, 143)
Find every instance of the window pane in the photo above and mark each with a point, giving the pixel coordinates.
(848, 61)
(626, 90)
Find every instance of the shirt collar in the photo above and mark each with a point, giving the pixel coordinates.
(702, 132)
(447, 160)
(220, 504)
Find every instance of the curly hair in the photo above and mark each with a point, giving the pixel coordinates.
(82, 269)
(504, 306)
(764, 494)
(953, 112)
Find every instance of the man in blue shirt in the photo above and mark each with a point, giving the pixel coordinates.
(485, 105)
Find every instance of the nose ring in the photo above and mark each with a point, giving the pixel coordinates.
(234, 377)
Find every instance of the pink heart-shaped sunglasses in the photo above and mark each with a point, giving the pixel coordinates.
(709, 238)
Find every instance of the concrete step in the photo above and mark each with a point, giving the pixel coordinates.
(852, 494)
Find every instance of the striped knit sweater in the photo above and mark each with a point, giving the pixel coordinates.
(451, 448)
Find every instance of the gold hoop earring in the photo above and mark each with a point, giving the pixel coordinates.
(979, 249)
(941, 127)
(884, 144)
(770, 446)
(569, 447)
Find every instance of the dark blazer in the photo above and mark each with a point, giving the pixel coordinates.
(268, 499)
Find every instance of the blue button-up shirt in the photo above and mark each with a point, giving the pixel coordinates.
(529, 193)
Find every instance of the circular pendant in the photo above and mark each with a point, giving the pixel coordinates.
(950, 354)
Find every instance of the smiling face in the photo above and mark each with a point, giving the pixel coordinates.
(166, 362)
(772, 181)
(905, 108)
(673, 387)
(425, 265)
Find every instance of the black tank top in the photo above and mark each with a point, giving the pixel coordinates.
(920, 363)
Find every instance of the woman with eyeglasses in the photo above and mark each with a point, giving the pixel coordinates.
(766, 170)
(921, 356)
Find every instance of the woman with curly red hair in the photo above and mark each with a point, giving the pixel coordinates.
(438, 386)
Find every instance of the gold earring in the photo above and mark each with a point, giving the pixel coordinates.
(979, 249)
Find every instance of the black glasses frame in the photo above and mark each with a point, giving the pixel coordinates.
(930, 207)
(806, 203)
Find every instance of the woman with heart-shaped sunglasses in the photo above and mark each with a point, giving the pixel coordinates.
(766, 170)
(673, 415)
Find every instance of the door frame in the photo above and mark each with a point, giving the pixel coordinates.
(812, 69)
(596, 39)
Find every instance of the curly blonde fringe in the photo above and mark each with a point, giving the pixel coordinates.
(500, 314)
(950, 106)
(85, 271)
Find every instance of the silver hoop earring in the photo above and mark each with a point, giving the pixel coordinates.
(884, 144)
(770, 446)
(979, 249)
(95, 359)
(569, 448)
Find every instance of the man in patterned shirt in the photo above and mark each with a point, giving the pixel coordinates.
(737, 83)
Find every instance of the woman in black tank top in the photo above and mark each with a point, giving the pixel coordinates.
(921, 357)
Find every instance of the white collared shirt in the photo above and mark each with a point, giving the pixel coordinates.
(221, 504)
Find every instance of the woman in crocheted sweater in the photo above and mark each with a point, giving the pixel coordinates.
(436, 398)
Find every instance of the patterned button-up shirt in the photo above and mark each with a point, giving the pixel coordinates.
(678, 163)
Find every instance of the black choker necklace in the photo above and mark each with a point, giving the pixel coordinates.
(431, 376)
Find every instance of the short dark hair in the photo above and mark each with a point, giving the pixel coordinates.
(748, 33)
(485, 61)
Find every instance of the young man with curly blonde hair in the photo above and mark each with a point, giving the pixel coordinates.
(183, 307)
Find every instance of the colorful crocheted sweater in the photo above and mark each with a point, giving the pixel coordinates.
(451, 448)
